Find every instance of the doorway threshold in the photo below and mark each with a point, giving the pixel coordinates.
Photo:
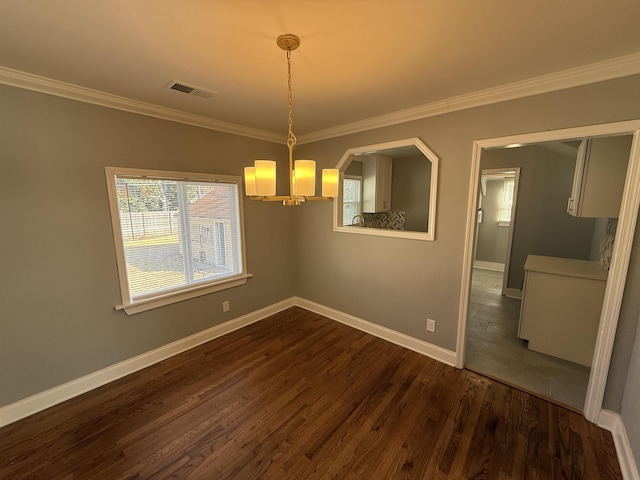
(549, 399)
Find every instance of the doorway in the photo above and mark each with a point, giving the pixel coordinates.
(619, 256)
(497, 204)
(494, 346)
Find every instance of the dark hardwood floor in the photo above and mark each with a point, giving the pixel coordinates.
(298, 396)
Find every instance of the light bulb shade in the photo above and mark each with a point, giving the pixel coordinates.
(250, 181)
(265, 174)
(293, 183)
(330, 182)
(304, 175)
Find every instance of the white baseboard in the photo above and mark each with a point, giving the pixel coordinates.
(419, 346)
(513, 293)
(41, 401)
(493, 266)
(613, 422)
(23, 408)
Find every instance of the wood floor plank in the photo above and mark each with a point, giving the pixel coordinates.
(461, 423)
(298, 396)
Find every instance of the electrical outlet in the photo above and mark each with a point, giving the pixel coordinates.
(431, 325)
(225, 306)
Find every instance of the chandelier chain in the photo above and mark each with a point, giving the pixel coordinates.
(260, 180)
(291, 138)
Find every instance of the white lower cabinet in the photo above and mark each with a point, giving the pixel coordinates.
(561, 305)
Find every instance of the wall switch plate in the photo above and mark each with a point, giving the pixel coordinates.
(225, 306)
(431, 325)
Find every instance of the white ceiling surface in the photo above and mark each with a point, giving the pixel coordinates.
(358, 59)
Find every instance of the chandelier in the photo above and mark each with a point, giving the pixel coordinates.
(260, 180)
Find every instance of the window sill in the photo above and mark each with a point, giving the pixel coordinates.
(381, 232)
(138, 306)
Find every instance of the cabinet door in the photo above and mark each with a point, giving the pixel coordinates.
(376, 184)
(384, 185)
(578, 177)
(369, 177)
(601, 169)
(560, 315)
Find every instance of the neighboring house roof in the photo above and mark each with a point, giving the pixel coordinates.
(214, 205)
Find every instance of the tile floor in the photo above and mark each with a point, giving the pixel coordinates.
(494, 349)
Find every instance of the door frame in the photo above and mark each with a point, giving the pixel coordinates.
(515, 171)
(619, 260)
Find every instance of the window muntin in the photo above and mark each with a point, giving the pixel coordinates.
(175, 233)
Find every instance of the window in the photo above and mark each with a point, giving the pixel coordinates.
(351, 199)
(177, 235)
(507, 202)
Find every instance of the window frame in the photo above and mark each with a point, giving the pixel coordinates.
(179, 294)
(358, 204)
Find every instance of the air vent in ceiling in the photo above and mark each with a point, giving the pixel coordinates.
(191, 90)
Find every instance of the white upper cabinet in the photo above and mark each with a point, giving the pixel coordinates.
(376, 183)
(601, 168)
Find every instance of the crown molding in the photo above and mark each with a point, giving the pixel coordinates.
(596, 72)
(28, 81)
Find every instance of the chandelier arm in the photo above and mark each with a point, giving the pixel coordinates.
(275, 198)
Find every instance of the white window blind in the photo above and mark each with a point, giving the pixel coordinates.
(175, 235)
(507, 200)
(351, 199)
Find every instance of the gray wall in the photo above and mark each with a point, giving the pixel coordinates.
(399, 283)
(631, 400)
(354, 168)
(492, 238)
(410, 187)
(542, 225)
(59, 281)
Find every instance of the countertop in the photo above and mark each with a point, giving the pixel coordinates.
(566, 266)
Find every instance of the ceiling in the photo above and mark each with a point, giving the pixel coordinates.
(358, 59)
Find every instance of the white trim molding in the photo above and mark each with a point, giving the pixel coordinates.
(513, 293)
(619, 260)
(383, 148)
(420, 346)
(41, 401)
(491, 266)
(596, 72)
(613, 422)
(36, 83)
(625, 231)
(23, 408)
